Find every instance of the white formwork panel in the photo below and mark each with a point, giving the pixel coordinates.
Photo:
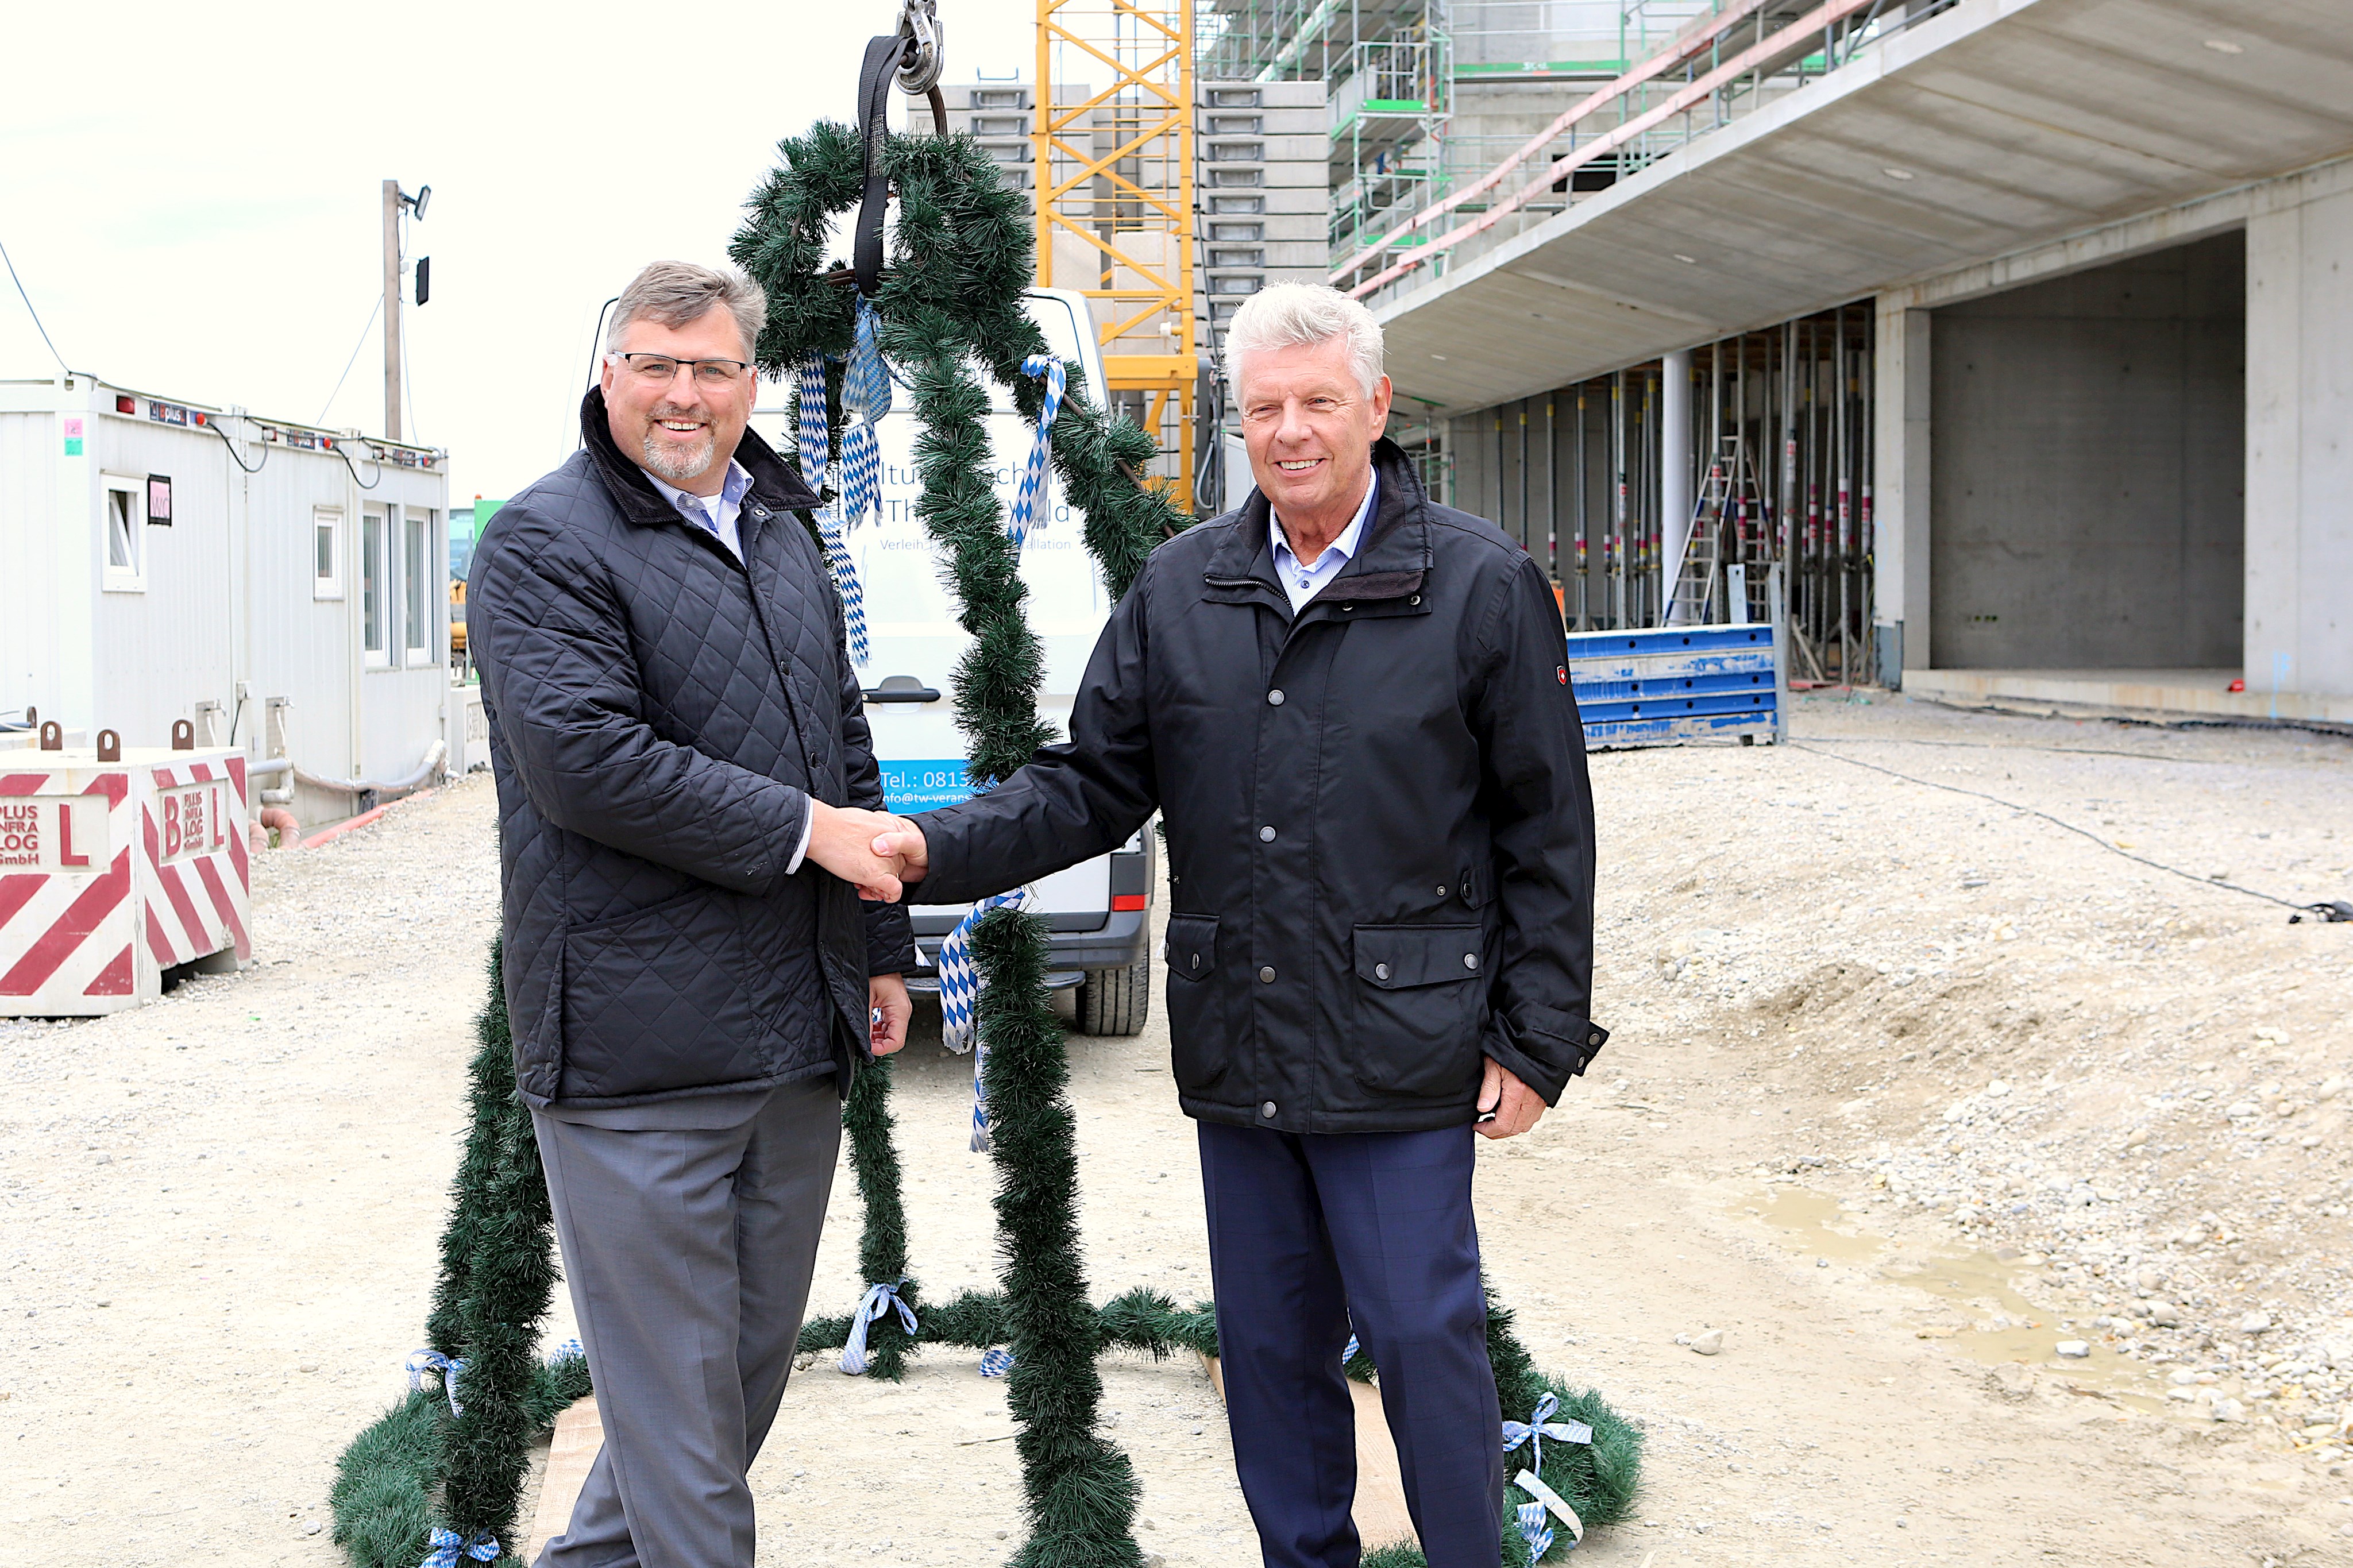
(113, 872)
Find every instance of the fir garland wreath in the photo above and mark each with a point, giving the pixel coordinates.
(437, 1478)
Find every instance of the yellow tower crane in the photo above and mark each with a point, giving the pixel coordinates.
(1114, 183)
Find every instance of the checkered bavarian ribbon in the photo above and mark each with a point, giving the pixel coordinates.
(995, 1362)
(808, 416)
(960, 999)
(1029, 508)
(1535, 1525)
(449, 1546)
(446, 1368)
(865, 398)
(878, 1300)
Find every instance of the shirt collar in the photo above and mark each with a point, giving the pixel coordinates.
(1343, 547)
(731, 495)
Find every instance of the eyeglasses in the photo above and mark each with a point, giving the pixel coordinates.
(660, 370)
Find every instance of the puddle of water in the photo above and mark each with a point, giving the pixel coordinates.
(2000, 1323)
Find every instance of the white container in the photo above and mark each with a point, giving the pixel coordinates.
(113, 870)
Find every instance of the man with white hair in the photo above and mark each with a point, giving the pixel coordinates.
(1351, 705)
(686, 790)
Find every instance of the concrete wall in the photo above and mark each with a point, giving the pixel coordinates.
(2299, 429)
(2087, 467)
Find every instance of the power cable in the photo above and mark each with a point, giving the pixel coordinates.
(228, 441)
(374, 312)
(37, 327)
(2331, 911)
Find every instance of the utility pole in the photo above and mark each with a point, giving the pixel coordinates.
(392, 205)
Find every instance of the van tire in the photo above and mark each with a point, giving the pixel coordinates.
(1116, 1001)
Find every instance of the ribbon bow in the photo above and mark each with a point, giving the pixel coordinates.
(1029, 493)
(449, 1546)
(959, 998)
(446, 1368)
(1540, 1425)
(878, 1300)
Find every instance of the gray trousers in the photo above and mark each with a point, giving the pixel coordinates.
(688, 1252)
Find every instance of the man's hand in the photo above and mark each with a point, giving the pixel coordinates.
(886, 995)
(839, 838)
(903, 842)
(1516, 1106)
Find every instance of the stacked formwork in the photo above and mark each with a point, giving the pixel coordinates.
(1772, 466)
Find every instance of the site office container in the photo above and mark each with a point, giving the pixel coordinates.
(284, 588)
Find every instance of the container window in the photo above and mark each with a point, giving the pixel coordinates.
(326, 552)
(126, 542)
(376, 590)
(417, 577)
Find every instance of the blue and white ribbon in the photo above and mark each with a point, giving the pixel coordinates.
(1030, 509)
(1350, 1354)
(865, 398)
(959, 1007)
(1539, 1425)
(995, 1362)
(1534, 1518)
(844, 572)
(808, 419)
(448, 1546)
(446, 1368)
(878, 1300)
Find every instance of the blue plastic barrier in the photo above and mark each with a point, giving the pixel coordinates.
(1678, 683)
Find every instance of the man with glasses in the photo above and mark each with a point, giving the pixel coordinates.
(686, 793)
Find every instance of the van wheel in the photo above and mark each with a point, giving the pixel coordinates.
(1116, 1001)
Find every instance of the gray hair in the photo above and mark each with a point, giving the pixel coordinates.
(673, 293)
(1292, 315)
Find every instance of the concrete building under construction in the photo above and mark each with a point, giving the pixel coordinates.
(2010, 329)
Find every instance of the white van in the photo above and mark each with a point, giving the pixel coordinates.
(1098, 912)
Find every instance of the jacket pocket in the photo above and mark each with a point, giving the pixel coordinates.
(1200, 1047)
(1421, 1001)
(658, 999)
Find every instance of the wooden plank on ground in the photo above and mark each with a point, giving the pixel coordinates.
(579, 1434)
(1380, 1511)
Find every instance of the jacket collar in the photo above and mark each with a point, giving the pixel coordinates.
(774, 483)
(1391, 560)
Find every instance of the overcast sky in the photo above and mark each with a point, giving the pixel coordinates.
(192, 193)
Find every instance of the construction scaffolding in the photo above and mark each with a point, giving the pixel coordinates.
(1778, 461)
(1114, 173)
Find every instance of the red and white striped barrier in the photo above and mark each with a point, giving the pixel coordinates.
(112, 872)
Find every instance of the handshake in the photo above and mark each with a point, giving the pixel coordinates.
(873, 851)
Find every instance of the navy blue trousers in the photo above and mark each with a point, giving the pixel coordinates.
(1310, 1235)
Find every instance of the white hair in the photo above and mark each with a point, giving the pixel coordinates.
(678, 293)
(1295, 315)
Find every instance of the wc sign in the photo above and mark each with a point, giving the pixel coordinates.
(54, 832)
(192, 820)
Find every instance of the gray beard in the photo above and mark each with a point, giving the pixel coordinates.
(678, 467)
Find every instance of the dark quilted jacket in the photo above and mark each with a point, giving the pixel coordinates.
(659, 715)
(1380, 834)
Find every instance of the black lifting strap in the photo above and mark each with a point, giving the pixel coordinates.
(874, 78)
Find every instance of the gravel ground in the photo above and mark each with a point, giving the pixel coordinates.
(1907, 1087)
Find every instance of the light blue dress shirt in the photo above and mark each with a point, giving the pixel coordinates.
(1302, 582)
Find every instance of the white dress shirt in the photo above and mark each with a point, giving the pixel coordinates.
(1302, 582)
(729, 503)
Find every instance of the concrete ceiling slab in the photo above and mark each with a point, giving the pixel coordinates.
(2019, 122)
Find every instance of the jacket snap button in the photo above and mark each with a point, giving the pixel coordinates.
(1275, 698)
(1592, 1039)
(1380, 971)
(1196, 960)
(1415, 600)
(1470, 961)
(1442, 890)
(1267, 974)
(1266, 835)
(1267, 1109)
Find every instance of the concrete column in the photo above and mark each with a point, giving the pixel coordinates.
(1900, 492)
(1675, 473)
(2299, 559)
